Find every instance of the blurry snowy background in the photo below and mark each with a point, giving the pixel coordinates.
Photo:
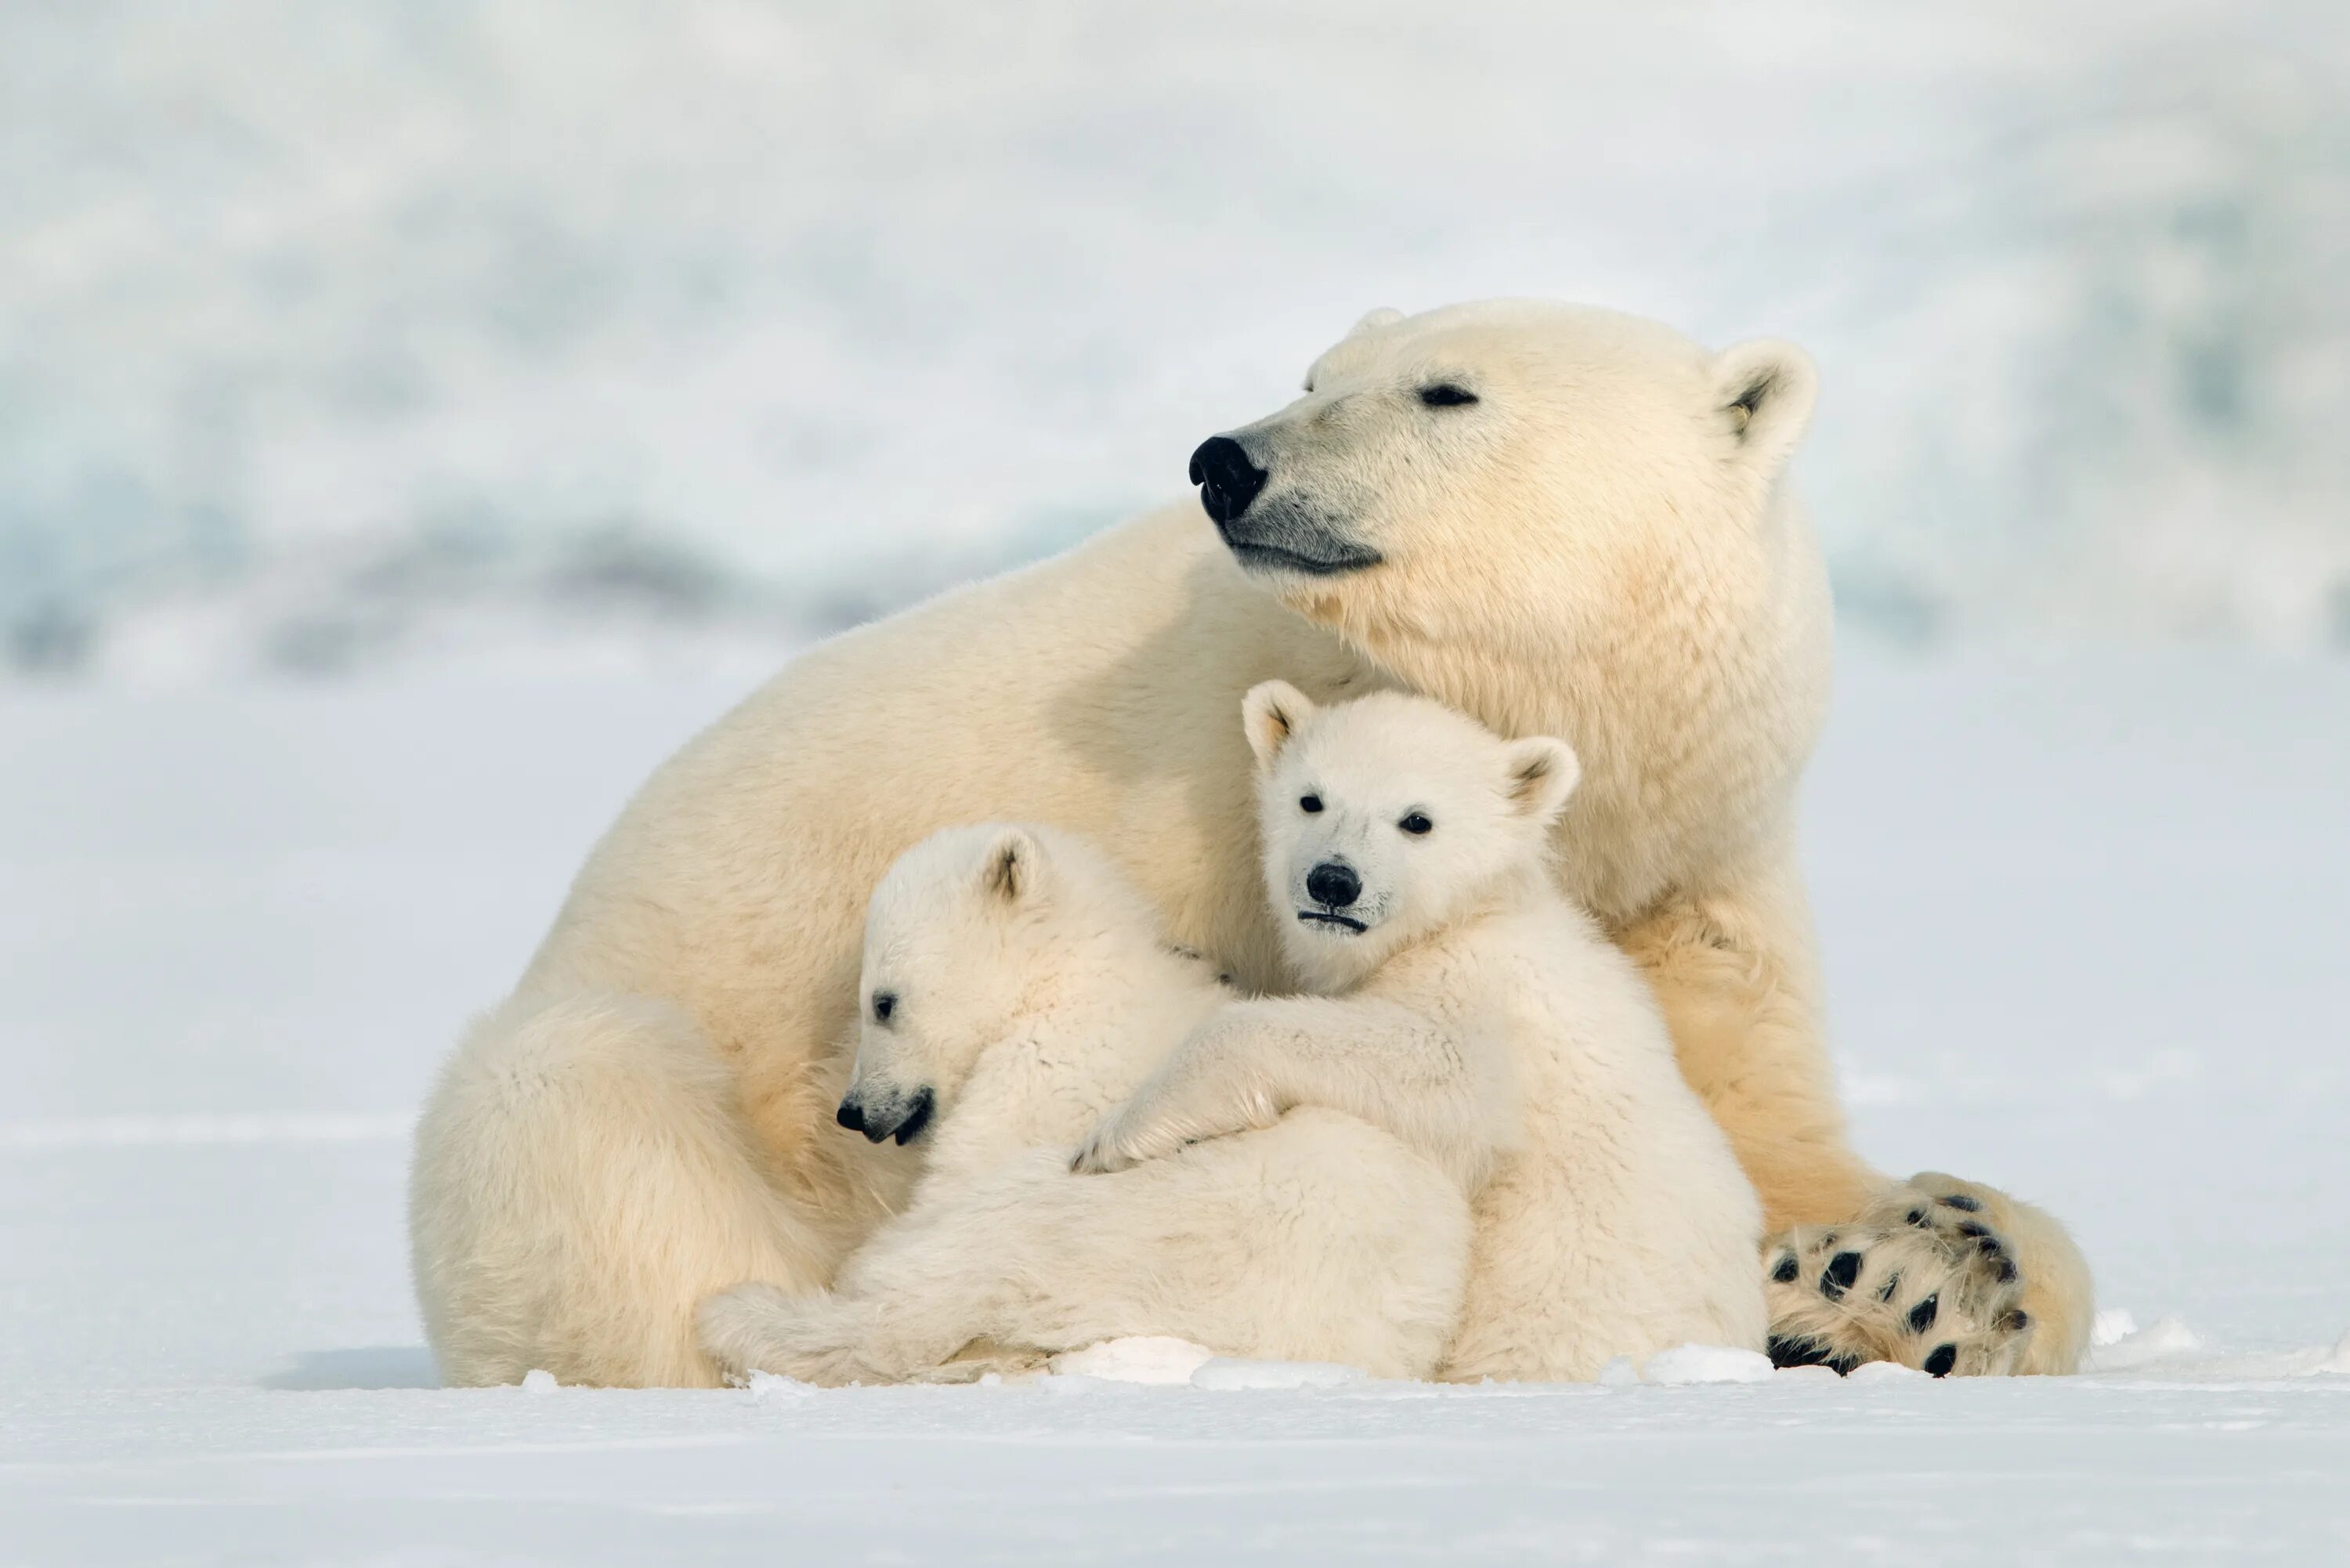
(339, 336)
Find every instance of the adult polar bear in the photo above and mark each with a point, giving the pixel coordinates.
(1561, 520)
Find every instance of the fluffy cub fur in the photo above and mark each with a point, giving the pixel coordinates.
(1405, 843)
(1014, 987)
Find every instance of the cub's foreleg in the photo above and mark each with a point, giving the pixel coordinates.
(1442, 1094)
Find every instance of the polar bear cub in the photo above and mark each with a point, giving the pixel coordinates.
(1015, 988)
(1408, 848)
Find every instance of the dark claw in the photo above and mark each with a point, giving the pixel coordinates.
(2014, 1321)
(1917, 1217)
(1945, 1357)
(1892, 1283)
(1785, 1273)
(1971, 1229)
(1808, 1353)
(1959, 1201)
(2006, 1271)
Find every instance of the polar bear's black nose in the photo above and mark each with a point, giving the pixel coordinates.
(1228, 481)
(1334, 885)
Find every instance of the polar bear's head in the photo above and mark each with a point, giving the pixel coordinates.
(1388, 817)
(1484, 496)
(962, 934)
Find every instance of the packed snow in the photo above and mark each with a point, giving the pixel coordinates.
(2084, 923)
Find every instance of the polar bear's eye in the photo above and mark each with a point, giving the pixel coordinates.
(1417, 825)
(885, 1003)
(1446, 395)
(1309, 804)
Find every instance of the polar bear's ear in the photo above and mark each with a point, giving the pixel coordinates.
(1270, 714)
(1541, 772)
(1013, 866)
(1763, 392)
(1383, 316)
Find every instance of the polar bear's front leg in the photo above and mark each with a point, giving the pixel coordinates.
(1401, 1072)
(1210, 1085)
(1734, 974)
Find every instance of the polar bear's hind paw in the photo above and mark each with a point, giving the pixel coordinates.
(813, 1337)
(1918, 1280)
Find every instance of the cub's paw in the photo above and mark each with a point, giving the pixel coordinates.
(1107, 1148)
(1919, 1278)
(1152, 1125)
(735, 1328)
(986, 1357)
(815, 1338)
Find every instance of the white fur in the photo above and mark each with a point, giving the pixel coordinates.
(1604, 548)
(1618, 1222)
(1028, 990)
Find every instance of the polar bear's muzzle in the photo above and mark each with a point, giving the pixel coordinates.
(888, 1115)
(1279, 532)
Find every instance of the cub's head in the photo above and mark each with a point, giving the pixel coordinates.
(1519, 477)
(963, 936)
(1387, 818)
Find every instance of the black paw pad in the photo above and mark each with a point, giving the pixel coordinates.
(1842, 1270)
(1785, 1273)
(1959, 1201)
(1945, 1357)
(1922, 1316)
(2014, 1321)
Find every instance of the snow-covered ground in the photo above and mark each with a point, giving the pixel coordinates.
(2085, 922)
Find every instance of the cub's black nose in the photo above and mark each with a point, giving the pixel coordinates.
(1228, 481)
(1334, 885)
(888, 1115)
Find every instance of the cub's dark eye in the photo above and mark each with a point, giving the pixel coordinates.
(885, 1003)
(1446, 395)
(1417, 825)
(1309, 804)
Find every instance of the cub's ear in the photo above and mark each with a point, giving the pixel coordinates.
(1540, 773)
(1013, 869)
(1270, 714)
(1764, 391)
